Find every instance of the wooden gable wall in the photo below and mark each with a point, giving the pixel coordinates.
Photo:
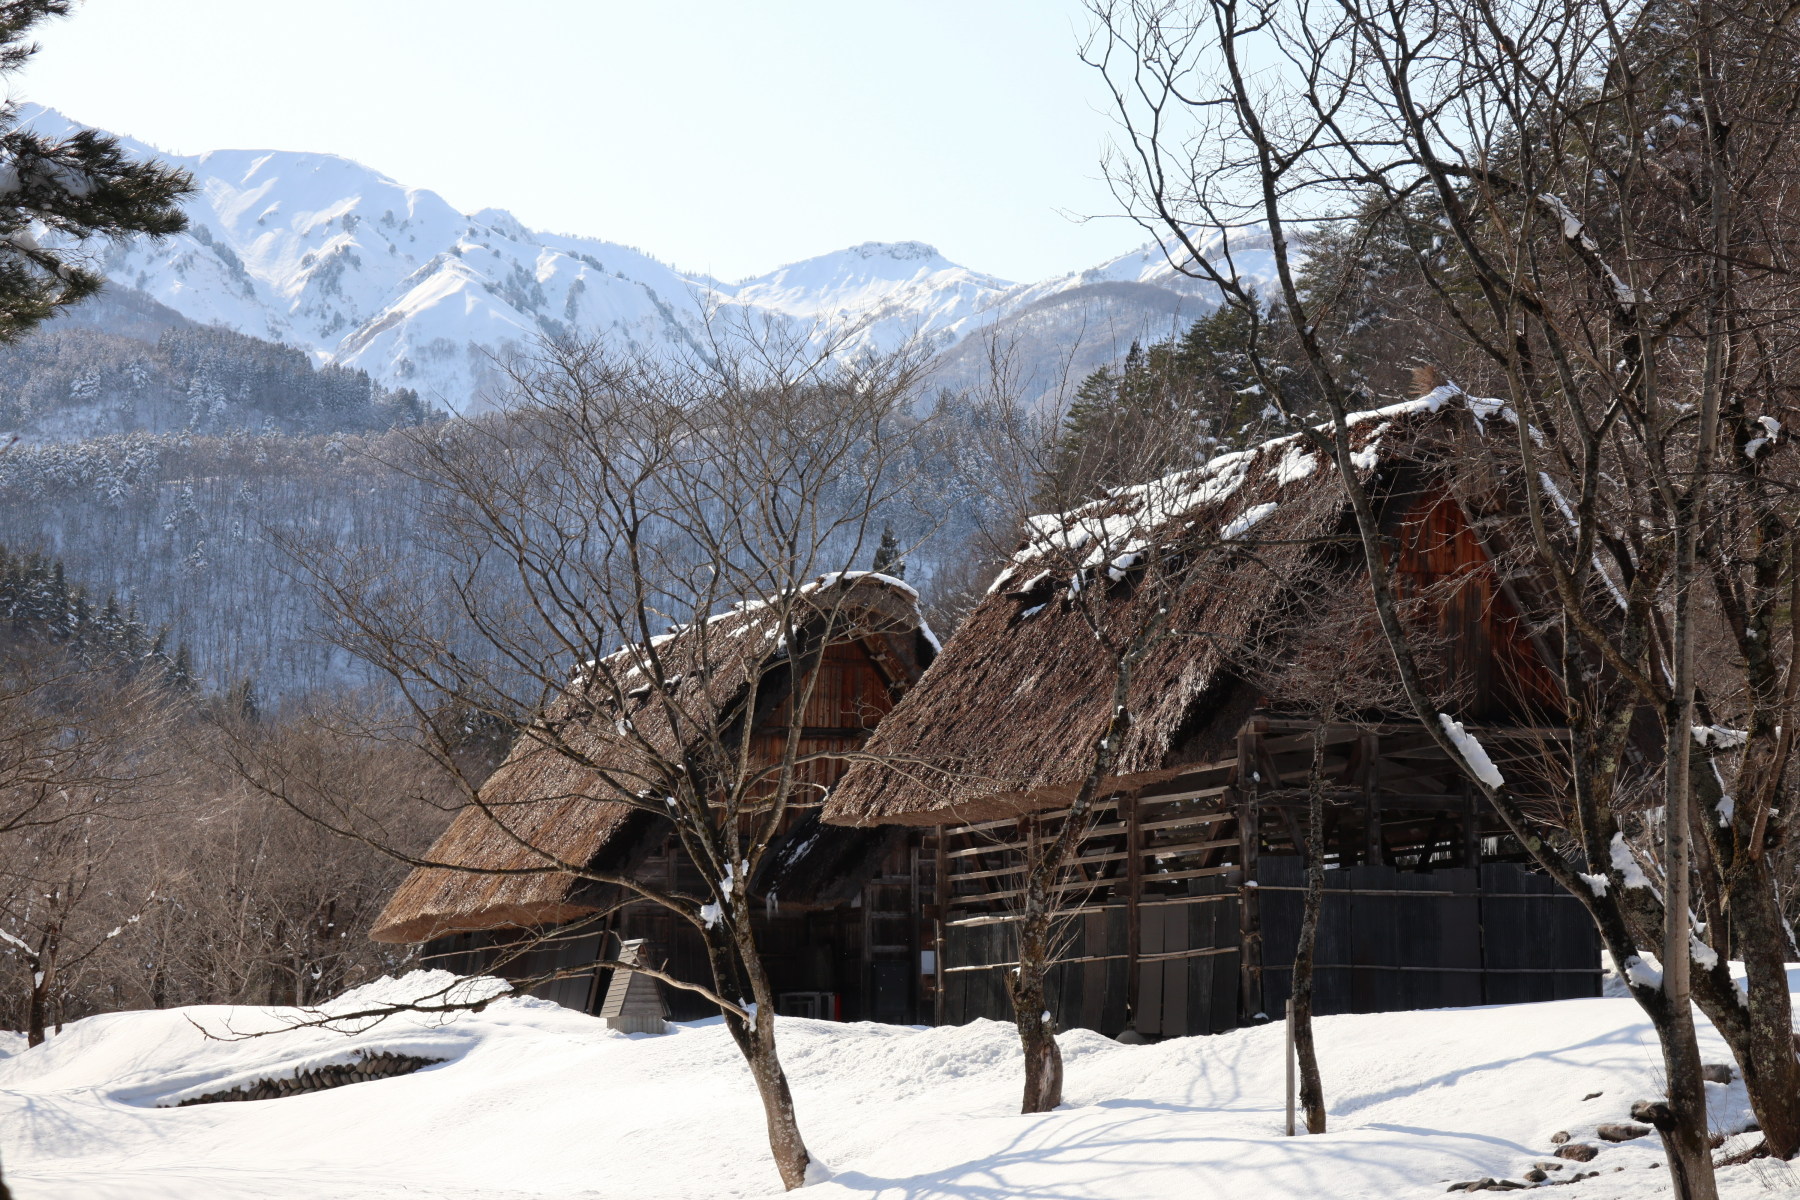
(1485, 643)
(850, 695)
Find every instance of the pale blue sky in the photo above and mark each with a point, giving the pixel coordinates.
(726, 137)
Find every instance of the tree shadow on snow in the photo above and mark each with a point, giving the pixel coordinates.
(1051, 1160)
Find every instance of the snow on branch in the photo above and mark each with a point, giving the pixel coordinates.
(1473, 752)
(1720, 737)
(1642, 974)
(1575, 232)
(1771, 431)
(1626, 864)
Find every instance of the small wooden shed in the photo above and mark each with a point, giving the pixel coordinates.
(634, 1001)
(1185, 897)
(839, 928)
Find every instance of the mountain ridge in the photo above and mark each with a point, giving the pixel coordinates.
(322, 252)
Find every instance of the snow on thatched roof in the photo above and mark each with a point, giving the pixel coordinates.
(545, 800)
(1003, 720)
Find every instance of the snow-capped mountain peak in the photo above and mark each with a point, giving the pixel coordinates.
(898, 251)
(906, 287)
(321, 252)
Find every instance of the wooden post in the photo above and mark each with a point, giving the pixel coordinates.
(941, 891)
(1291, 1056)
(1370, 745)
(1250, 990)
(1471, 827)
(609, 929)
(1134, 889)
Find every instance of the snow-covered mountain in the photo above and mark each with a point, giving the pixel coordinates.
(332, 256)
(884, 290)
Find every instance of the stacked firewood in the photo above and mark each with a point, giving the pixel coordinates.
(384, 1065)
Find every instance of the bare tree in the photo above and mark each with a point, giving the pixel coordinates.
(258, 904)
(1599, 269)
(1316, 667)
(74, 770)
(650, 556)
(55, 882)
(1120, 559)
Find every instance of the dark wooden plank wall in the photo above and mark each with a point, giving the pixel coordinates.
(1389, 940)
(1527, 932)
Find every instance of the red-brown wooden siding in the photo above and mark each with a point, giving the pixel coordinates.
(849, 697)
(1486, 644)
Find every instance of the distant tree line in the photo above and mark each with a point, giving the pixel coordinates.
(38, 603)
(1184, 399)
(136, 867)
(72, 382)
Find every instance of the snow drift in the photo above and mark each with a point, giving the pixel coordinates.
(534, 1100)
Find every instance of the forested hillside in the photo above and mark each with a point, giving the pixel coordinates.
(157, 460)
(185, 528)
(68, 381)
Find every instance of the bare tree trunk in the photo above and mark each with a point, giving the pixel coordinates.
(1031, 1008)
(43, 977)
(37, 1016)
(1756, 1022)
(1766, 1057)
(1312, 1086)
(737, 966)
(1684, 1132)
(1682, 1122)
(1045, 860)
(1690, 1157)
(785, 1142)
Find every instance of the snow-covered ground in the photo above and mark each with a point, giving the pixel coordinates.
(538, 1101)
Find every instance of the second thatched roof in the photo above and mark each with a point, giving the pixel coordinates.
(1004, 721)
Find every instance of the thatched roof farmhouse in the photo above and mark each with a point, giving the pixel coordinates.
(1193, 859)
(1005, 712)
(558, 793)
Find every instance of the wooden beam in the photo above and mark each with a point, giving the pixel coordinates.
(1171, 849)
(1370, 745)
(941, 888)
(1048, 814)
(1250, 991)
(1166, 956)
(1134, 888)
(1471, 828)
(1185, 822)
(1210, 792)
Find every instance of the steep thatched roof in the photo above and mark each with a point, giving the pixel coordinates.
(557, 796)
(1003, 721)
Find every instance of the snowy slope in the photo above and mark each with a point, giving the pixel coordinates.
(539, 1101)
(324, 253)
(327, 254)
(887, 291)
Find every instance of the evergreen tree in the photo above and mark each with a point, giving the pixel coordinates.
(1176, 402)
(1362, 280)
(888, 559)
(38, 603)
(181, 671)
(57, 194)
